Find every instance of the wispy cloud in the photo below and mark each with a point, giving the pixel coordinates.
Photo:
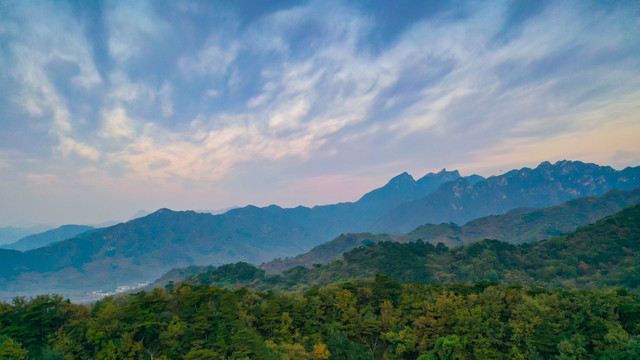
(184, 98)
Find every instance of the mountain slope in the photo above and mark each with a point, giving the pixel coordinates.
(331, 220)
(604, 254)
(48, 237)
(546, 185)
(516, 227)
(11, 234)
(144, 248)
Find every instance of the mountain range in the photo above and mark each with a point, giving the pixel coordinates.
(603, 254)
(517, 226)
(461, 201)
(142, 249)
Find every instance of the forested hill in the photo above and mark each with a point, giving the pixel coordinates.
(604, 254)
(359, 320)
(516, 227)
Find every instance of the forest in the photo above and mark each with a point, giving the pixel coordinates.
(361, 319)
(571, 297)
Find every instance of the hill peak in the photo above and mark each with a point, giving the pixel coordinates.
(405, 177)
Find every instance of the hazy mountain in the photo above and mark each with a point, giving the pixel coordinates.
(517, 226)
(547, 185)
(404, 188)
(331, 220)
(604, 254)
(48, 237)
(140, 213)
(11, 234)
(142, 249)
(217, 212)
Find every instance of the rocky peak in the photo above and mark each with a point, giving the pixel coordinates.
(403, 178)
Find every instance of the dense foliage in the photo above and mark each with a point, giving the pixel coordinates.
(376, 319)
(605, 254)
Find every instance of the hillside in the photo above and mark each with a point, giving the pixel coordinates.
(144, 248)
(48, 237)
(461, 201)
(361, 320)
(604, 254)
(350, 309)
(518, 226)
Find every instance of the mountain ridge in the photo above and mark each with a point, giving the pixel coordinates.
(548, 184)
(600, 255)
(141, 250)
(516, 227)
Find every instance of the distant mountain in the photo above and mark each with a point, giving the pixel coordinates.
(217, 212)
(604, 254)
(517, 226)
(331, 220)
(547, 185)
(142, 249)
(523, 225)
(11, 234)
(140, 213)
(404, 188)
(48, 237)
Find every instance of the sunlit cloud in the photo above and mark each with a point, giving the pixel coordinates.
(189, 97)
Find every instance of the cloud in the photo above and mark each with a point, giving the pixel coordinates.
(43, 36)
(132, 27)
(69, 146)
(600, 142)
(116, 124)
(440, 77)
(166, 103)
(153, 96)
(124, 90)
(214, 58)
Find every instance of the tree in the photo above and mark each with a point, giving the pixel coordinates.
(11, 349)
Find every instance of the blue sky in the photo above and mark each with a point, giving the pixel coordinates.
(111, 107)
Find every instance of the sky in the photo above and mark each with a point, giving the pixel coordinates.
(109, 107)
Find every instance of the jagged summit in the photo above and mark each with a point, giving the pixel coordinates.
(546, 185)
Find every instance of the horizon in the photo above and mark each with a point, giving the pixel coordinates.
(139, 213)
(110, 108)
